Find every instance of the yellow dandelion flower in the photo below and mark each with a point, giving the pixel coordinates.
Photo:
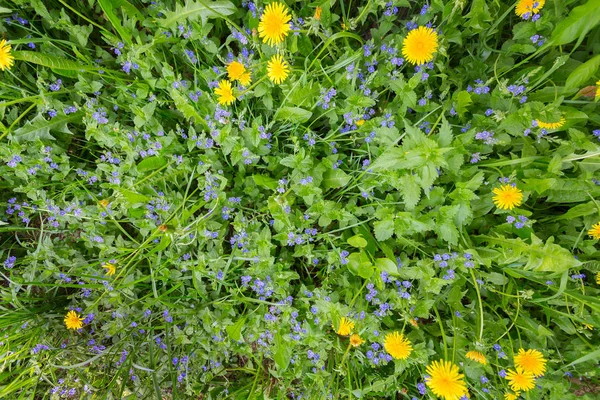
(360, 122)
(318, 13)
(507, 197)
(529, 6)
(235, 70)
(6, 59)
(73, 321)
(110, 269)
(520, 380)
(531, 361)
(277, 69)
(476, 356)
(595, 232)
(551, 125)
(419, 45)
(225, 93)
(397, 345)
(445, 380)
(246, 79)
(345, 327)
(356, 340)
(274, 24)
(511, 396)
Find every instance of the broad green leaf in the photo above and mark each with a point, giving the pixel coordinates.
(365, 270)
(496, 278)
(360, 265)
(282, 352)
(183, 105)
(583, 73)
(334, 178)
(203, 9)
(463, 101)
(47, 60)
(384, 229)
(579, 210)
(265, 181)
(539, 185)
(165, 241)
(537, 256)
(388, 160)
(387, 265)
(353, 263)
(295, 115)
(109, 7)
(361, 101)
(410, 191)
(129, 9)
(133, 197)
(357, 241)
(580, 20)
(151, 163)
(591, 356)
(39, 128)
(235, 331)
(422, 308)
(445, 133)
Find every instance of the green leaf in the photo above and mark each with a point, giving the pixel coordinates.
(265, 181)
(539, 185)
(581, 19)
(235, 331)
(185, 107)
(360, 265)
(445, 226)
(583, 73)
(193, 10)
(384, 229)
(365, 270)
(387, 265)
(445, 134)
(295, 115)
(353, 263)
(463, 101)
(282, 352)
(496, 278)
(361, 101)
(133, 197)
(50, 61)
(109, 7)
(165, 241)
(335, 178)
(151, 163)
(388, 160)
(39, 128)
(357, 241)
(579, 210)
(410, 191)
(423, 307)
(594, 355)
(537, 256)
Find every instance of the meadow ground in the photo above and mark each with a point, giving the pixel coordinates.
(299, 200)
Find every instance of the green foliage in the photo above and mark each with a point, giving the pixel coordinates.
(360, 187)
